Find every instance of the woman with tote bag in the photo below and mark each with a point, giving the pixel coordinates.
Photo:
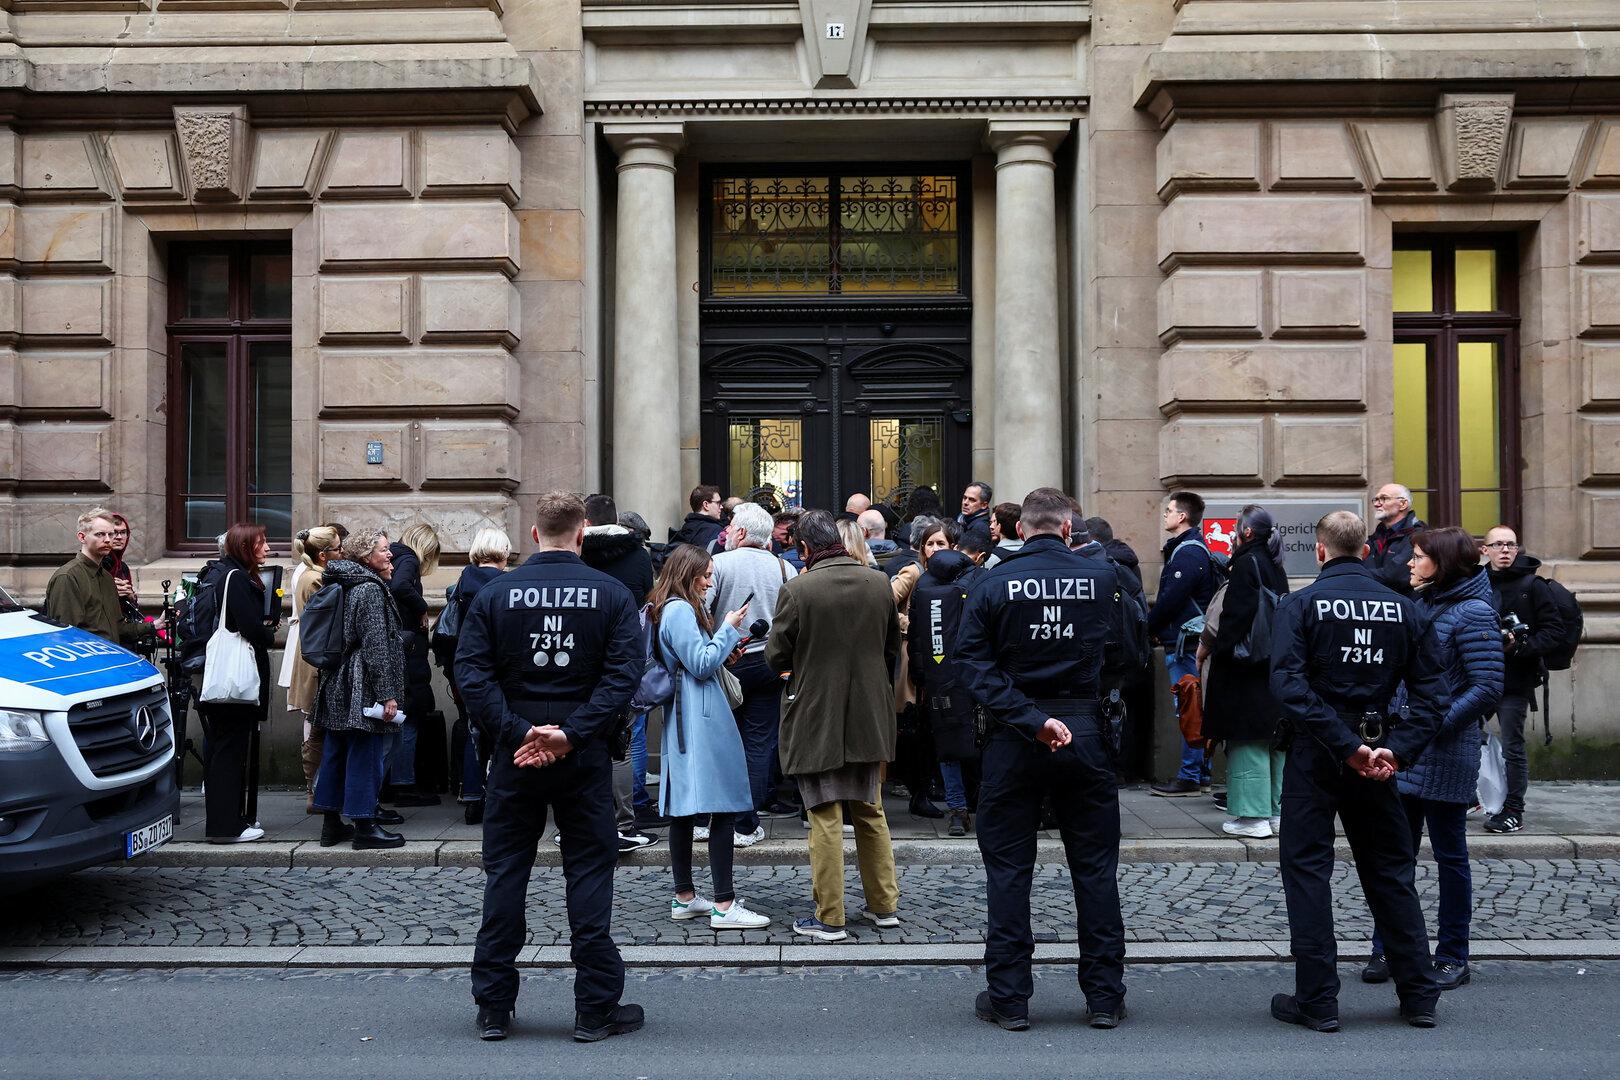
(236, 684)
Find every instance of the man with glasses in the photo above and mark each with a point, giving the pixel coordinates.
(82, 593)
(1531, 628)
(703, 524)
(1389, 548)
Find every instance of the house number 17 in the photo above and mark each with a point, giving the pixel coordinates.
(835, 30)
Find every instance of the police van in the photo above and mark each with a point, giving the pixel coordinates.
(86, 750)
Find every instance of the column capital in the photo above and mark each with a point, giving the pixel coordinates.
(1025, 139)
(652, 144)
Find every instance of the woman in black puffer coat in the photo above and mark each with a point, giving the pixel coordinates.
(1455, 594)
(1238, 706)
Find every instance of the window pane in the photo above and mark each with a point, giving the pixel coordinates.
(274, 512)
(906, 452)
(1479, 442)
(270, 376)
(1412, 422)
(208, 285)
(1414, 280)
(771, 236)
(768, 451)
(270, 285)
(1476, 280)
(897, 234)
(203, 376)
(204, 517)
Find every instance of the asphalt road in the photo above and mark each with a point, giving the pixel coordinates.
(1516, 1020)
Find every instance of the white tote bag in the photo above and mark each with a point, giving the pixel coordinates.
(1492, 787)
(230, 671)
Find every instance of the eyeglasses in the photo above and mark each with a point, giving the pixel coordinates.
(1502, 545)
(1386, 498)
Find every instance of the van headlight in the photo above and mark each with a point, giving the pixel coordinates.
(21, 732)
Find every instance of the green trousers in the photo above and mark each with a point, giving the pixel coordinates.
(1254, 780)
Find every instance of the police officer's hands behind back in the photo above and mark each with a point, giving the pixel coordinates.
(541, 747)
(1054, 733)
(1372, 764)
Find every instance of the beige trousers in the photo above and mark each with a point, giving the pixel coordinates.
(873, 851)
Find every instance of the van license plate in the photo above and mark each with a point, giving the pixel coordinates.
(154, 835)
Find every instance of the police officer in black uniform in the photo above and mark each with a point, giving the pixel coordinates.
(548, 658)
(1031, 652)
(1341, 647)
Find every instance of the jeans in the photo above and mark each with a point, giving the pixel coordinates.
(1448, 836)
(955, 790)
(638, 762)
(759, 722)
(402, 759)
(721, 850)
(1511, 715)
(1194, 763)
(348, 777)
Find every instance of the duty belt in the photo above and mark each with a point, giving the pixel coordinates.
(1371, 725)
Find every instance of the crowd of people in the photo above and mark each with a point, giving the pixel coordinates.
(813, 658)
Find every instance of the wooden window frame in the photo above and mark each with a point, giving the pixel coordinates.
(1441, 331)
(239, 331)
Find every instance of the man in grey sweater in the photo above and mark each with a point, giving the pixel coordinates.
(750, 570)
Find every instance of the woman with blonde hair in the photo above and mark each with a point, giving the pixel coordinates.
(486, 561)
(855, 543)
(415, 555)
(314, 548)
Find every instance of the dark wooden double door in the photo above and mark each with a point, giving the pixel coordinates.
(855, 400)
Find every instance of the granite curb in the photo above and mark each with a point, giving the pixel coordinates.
(783, 956)
(910, 852)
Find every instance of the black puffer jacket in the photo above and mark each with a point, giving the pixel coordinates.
(620, 554)
(699, 530)
(1238, 703)
(1127, 566)
(935, 612)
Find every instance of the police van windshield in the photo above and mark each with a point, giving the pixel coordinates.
(7, 603)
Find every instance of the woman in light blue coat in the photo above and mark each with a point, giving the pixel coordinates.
(704, 770)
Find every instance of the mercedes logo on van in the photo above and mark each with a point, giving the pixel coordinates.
(146, 727)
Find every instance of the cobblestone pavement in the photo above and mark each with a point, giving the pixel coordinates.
(1513, 900)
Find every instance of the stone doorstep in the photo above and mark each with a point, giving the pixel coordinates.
(795, 955)
(912, 852)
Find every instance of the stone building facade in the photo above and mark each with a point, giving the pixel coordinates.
(1275, 250)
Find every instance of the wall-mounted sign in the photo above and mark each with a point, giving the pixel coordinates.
(1296, 524)
(374, 452)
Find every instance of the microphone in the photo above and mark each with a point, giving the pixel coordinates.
(759, 628)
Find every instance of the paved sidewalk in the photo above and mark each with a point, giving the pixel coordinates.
(1567, 820)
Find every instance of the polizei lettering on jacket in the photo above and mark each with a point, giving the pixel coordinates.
(1051, 589)
(555, 596)
(1360, 610)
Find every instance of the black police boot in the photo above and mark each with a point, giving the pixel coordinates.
(1286, 1009)
(985, 1010)
(473, 812)
(621, 1021)
(1377, 970)
(921, 807)
(385, 816)
(1105, 1019)
(1419, 1018)
(368, 834)
(1449, 976)
(494, 1024)
(333, 831)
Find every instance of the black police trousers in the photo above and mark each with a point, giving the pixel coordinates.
(1315, 787)
(579, 790)
(1017, 775)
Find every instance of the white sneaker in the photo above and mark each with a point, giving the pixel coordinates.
(877, 918)
(748, 839)
(1276, 825)
(1253, 828)
(700, 834)
(691, 909)
(249, 835)
(737, 917)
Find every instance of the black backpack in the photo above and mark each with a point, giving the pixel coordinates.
(196, 619)
(1569, 612)
(320, 627)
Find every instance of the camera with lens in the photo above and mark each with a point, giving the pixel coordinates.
(1512, 624)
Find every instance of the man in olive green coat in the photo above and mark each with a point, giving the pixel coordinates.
(82, 592)
(837, 633)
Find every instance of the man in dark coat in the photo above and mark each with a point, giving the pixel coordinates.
(702, 526)
(1126, 563)
(975, 515)
(1186, 585)
(1389, 548)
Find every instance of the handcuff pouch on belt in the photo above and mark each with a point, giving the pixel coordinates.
(1372, 727)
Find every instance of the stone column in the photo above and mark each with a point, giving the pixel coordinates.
(1029, 390)
(646, 360)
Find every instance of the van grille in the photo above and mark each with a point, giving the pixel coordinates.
(106, 734)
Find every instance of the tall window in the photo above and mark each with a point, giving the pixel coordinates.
(1456, 378)
(230, 390)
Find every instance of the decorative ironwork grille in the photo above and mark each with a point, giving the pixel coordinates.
(832, 235)
(768, 451)
(906, 452)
